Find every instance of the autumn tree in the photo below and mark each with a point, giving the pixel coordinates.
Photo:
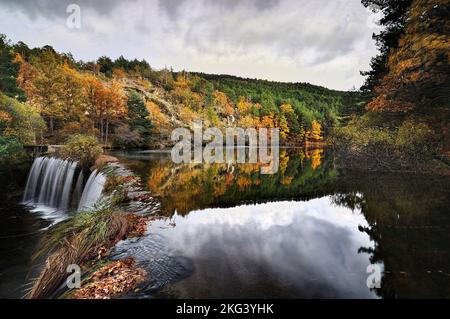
(419, 72)
(25, 76)
(268, 121)
(42, 81)
(105, 103)
(315, 133)
(119, 73)
(395, 14)
(113, 107)
(157, 117)
(243, 106)
(20, 121)
(71, 94)
(94, 93)
(284, 127)
(222, 104)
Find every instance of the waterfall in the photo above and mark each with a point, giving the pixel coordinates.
(78, 189)
(56, 185)
(92, 191)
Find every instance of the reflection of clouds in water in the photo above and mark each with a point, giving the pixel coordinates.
(309, 247)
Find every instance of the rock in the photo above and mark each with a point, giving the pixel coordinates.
(105, 159)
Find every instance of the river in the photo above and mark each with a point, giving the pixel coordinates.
(308, 231)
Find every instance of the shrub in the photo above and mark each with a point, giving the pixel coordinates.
(125, 138)
(20, 120)
(14, 162)
(82, 148)
(415, 141)
(9, 146)
(75, 127)
(369, 143)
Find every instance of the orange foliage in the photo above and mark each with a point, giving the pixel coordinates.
(157, 116)
(5, 117)
(418, 69)
(119, 73)
(243, 182)
(316, 131)
(315, 156)
(287, 180)
(113, 280)
(268, 121)
(222, 104)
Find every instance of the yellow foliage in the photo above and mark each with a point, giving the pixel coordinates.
(284, 127)
(417, 74)
(187, 115)
(243, 182)
(158, 118)
(315, 156)
(248, 121)
(287, 108)
(284, 160)
(316, 131)
(268, 121)
(5, 117)
(243, 106)
(287, 180)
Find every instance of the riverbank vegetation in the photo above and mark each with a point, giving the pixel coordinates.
(85, 149)
(406, 124)
(19, 125)
(85, 239)
(370, 142)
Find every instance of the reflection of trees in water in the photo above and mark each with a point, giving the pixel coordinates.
(409, 223)
(183, 188)
(408, 215)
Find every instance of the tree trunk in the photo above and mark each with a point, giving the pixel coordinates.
(101, 130)
(51, 125)
(107, 129)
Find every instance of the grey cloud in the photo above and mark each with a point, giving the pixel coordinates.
(241, 31)
(57, 8)
(191, 33)
(172, 7)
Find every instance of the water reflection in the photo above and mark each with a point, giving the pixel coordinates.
(182, 188)
(278, 235)
(284, 249)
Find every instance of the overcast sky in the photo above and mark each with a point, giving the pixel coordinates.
(324, 42)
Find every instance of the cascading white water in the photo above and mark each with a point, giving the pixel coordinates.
(92, 191)
(50, 182)
(78, 188)
(53, 185)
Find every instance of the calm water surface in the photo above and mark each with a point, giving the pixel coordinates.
(309, 231)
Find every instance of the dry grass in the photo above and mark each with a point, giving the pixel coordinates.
(86, 238)
(75, 241)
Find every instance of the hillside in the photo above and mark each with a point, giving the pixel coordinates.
(129, 104)
(316, 99)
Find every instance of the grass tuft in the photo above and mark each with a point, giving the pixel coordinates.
(74, 241)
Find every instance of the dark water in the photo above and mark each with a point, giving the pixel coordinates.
(20, 231)
(309, 231)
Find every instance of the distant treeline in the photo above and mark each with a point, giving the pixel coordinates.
(127, 103)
